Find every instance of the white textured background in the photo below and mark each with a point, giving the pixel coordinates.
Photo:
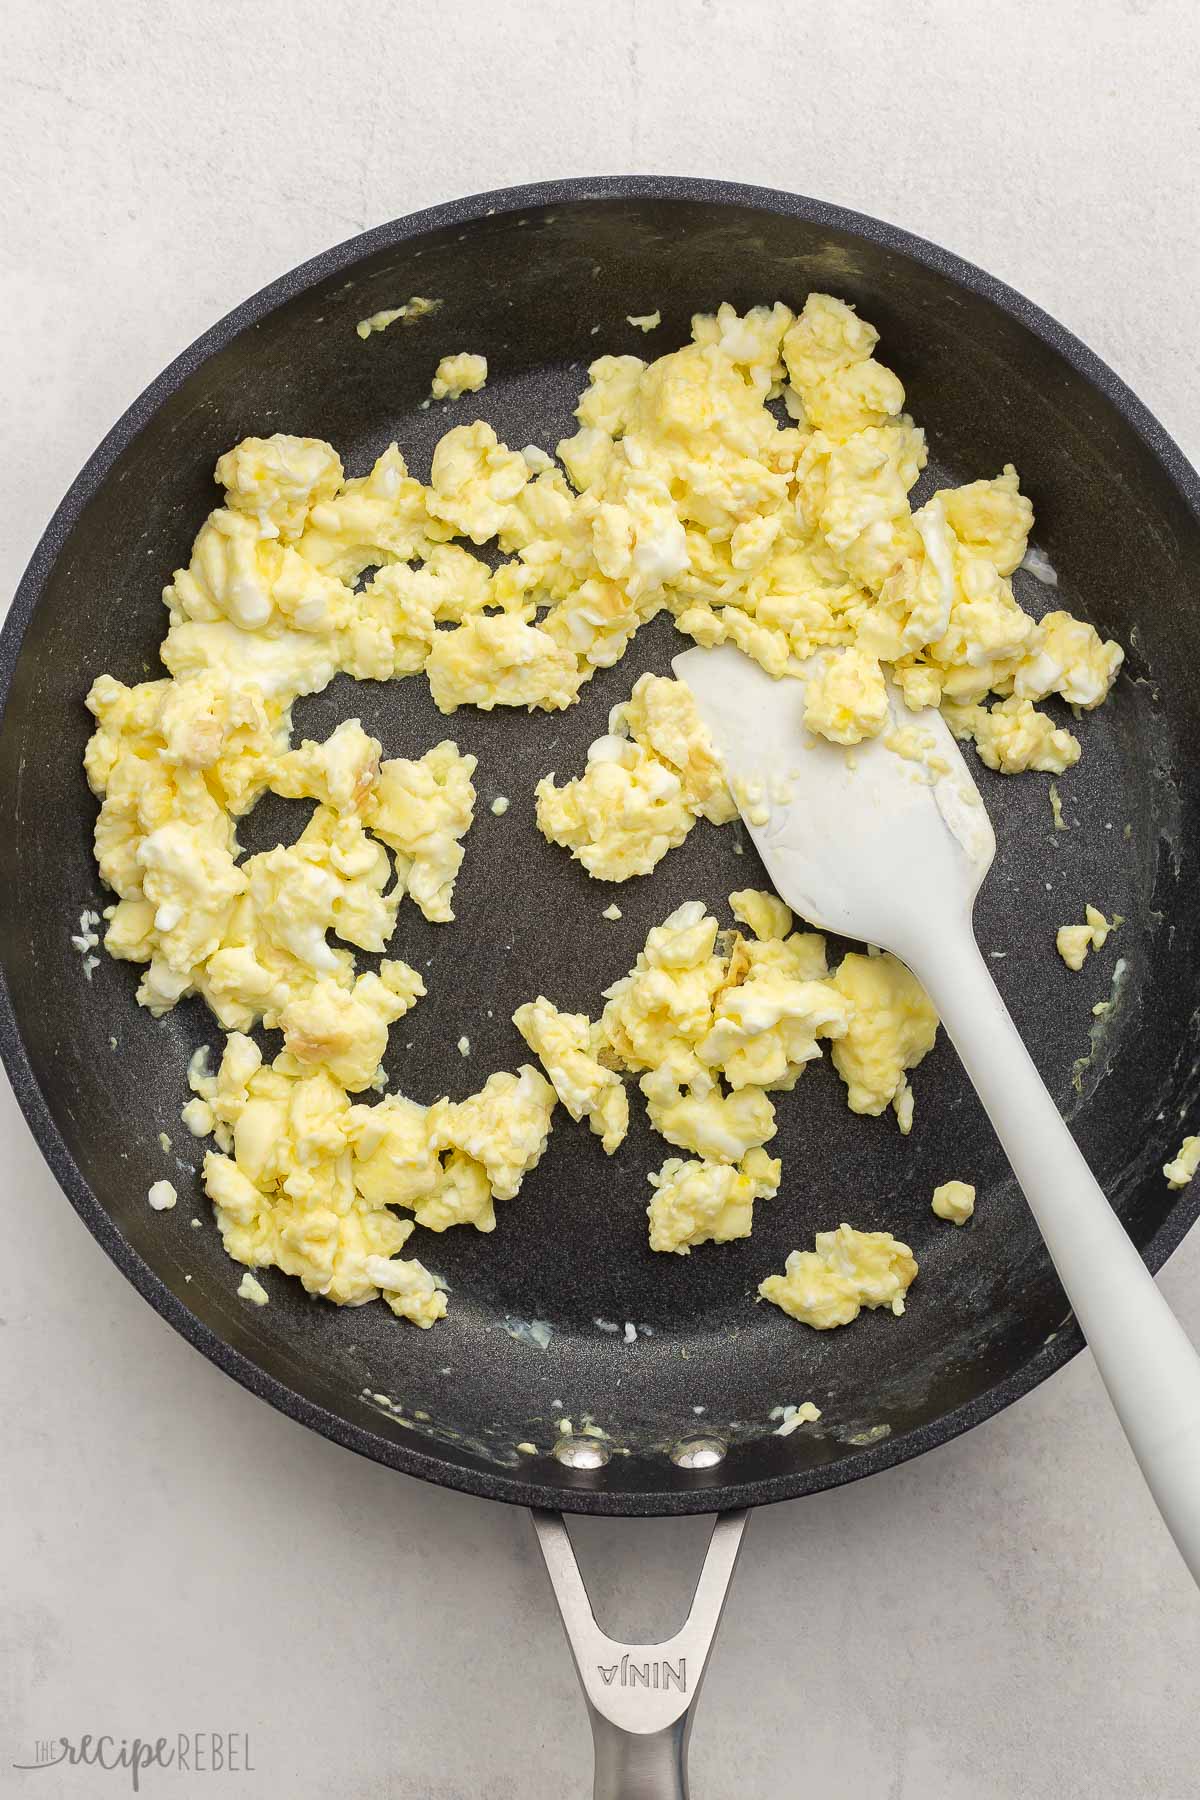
(1004, 1618)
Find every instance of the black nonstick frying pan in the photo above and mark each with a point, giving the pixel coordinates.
(541, 280)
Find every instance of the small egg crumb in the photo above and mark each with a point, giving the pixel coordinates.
(527, 1449)
(164, 1143)
(612, 912)
(1074, 941)
(379, 321)
(416, 308)
(1181, 1169)
(751, 801)
(86, 941)
(464, 1046)
(500, 805)
(1037, 563)
(253, 1290)
(644, 321)
(790, 1417)
(162, 1196)
(917, 746)
(874, 1434)
(463, 373)
(903, 1105)
(955, 1201)
(196, 1224)
(198, 1116)
(1056, 811)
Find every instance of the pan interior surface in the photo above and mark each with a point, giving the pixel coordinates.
(541, 286)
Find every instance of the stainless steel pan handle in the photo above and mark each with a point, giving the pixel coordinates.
(641, 1697)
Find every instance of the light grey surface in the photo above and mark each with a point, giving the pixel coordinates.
(1004, 1617)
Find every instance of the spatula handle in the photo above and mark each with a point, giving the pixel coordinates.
(1145, 1358)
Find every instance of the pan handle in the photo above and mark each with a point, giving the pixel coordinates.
(640, 1697)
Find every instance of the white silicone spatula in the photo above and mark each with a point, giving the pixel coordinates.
(880, 848)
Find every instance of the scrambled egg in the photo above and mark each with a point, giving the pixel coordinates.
(765, 1027)
(463, 373)
(846, 1271)
(765, 914)
(284, 1191)
(500, 659)
(422, 810)
(681, 490)
(305, 1180)
(1181, 1168)
(504, 1128)
(846, 699)
(1013, 736)
(655, 1015)
(685, 492)
(706, 1202)
(564, 1044)
(696, 1115)
(175, 763)
(892, 1026)
(646, 784)
(1074, 941)
(955, 1201)
(712, 1023)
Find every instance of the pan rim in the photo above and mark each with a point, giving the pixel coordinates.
(570, 1492)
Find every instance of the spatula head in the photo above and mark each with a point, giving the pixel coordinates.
(867, 842)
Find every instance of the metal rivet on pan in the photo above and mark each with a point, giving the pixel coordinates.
(582, 1452)
(698, 1453)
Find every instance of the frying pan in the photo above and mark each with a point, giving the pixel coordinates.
(540, 280)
